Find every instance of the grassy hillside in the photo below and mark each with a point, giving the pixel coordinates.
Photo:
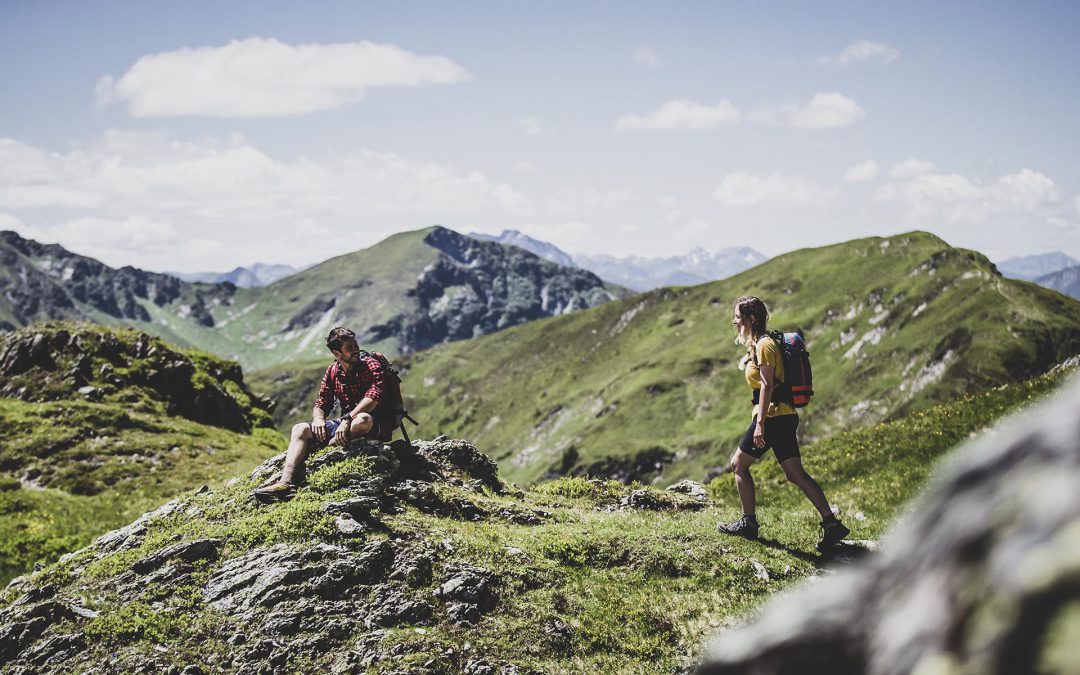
(101, 425)
(442, 568)
(893, 325)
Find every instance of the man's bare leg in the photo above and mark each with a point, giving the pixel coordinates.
(301, 438)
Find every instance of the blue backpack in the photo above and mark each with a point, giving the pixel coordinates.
(798, 386)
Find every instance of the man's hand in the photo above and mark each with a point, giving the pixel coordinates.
(759, 434)
(341, 436)
(318, 427)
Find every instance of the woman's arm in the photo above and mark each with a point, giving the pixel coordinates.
(767, 387)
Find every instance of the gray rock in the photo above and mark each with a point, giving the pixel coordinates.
(468, 593)
(642, 499)
(20, 626)
(396, 608)
(691, 489)
(200, 549)
(980, 577)
(348, 526)
(358, 508)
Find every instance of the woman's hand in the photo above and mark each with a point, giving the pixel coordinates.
(759, 434)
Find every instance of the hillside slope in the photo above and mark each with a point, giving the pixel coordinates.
(401, 560)
(651, 382)
(101, 424)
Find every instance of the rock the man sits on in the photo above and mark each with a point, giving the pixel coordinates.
(358, 382)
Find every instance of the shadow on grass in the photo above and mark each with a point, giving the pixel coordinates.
(845, 553)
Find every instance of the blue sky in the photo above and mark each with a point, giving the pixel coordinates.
(192, 136)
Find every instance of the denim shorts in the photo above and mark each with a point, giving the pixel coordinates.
(331, 429)
(381, 430)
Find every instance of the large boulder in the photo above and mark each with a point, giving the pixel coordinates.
(981, 576)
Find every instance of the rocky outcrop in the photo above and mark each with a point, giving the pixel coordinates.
(980, 577)
(478, 287)
(57, 361)
(280, 606)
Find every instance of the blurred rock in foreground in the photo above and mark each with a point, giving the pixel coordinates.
(982, 576)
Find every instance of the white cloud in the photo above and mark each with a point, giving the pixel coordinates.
(1078, 203)
(681, 115)
(260, 77)
(226, 191)
(862, 171)
(953, 198)
(532, 126)
(825, 110)
(912, 168)
(862, 51)
(648, 57)
(740, 188)
(523, 166)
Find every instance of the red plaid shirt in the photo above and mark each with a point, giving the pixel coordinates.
(365, 379)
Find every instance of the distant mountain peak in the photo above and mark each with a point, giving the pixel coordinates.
(542, 249)
(254, 276)
(1030, 267)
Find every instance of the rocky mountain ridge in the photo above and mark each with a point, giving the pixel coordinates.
(46, 281)
(1065, 281)
(406, 293)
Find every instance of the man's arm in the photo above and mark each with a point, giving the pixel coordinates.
(324, 403)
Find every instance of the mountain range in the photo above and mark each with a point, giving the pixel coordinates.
(408, 292)
(1031, 267)
(1066, 281)
(259, 274)
(637, 272)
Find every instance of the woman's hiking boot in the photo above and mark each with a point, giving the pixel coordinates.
(747, 526)
(832, 532)
(275, 492)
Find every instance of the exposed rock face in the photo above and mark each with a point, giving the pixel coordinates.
(478, 287)
(46, 281)
(982, 577)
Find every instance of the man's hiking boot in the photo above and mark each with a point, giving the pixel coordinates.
(747, 526)
(831, 534)
(275, 492)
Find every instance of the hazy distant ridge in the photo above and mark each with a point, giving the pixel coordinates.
(640, 273)
(1031, 267)
(256, 276)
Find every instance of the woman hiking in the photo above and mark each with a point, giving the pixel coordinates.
(763, 366)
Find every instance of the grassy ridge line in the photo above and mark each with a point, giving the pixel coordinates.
(639, 590)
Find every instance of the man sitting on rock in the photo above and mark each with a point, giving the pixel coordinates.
(358, 381)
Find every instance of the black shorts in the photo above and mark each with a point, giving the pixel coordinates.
(779, 435)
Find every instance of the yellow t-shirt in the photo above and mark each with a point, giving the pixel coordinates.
(769, 354)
